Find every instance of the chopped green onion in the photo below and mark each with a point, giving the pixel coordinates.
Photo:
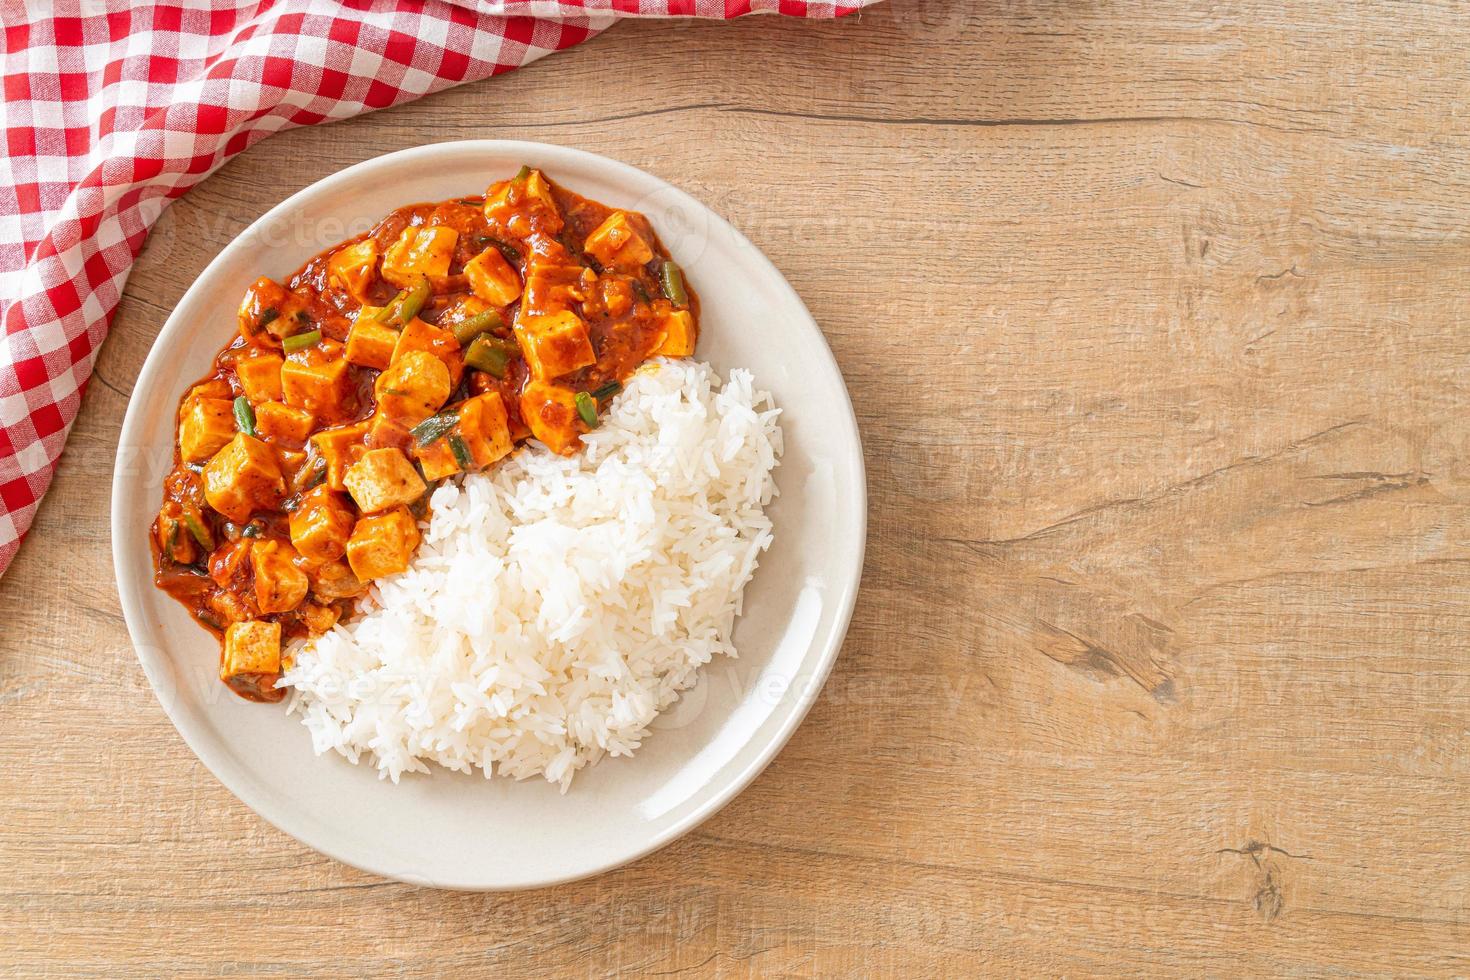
(461, 452)
(301, 341)
(467, 330)
(385, 313)
(414, 301)
(268, 315)
(198, 529)
(522, 174)
(671, 277)
(433, 427)
(642, 292)
(587, 408)
(511, 253)
(172, 541)
(489, 355)
(608, 390)
(244, 416)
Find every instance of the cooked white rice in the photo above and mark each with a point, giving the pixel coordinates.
(557, 604)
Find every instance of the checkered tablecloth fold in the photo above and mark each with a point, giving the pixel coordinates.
(111, 110)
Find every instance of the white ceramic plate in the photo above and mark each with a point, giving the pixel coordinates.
(457, 831)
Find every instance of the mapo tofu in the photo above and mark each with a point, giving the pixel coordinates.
(428, 348)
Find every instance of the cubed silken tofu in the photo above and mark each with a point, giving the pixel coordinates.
(484, 426)
(260, 377)
(555, 345)
(321, 524)
(206, 425)
(678, 335)
(370, 343)
(519, 207)
(284, 422)
(316, 379)
(280, 584)
(551, 412)
(270, 307)
(417, 335)
(243, 477)
(355, 268)
(437, 459)
(617, 244)
(251, 647)
(335, 580)
(386, 432)
(383, 478)
(340, 447)
(492, 278)
(552, 286)
(422, 252)
(382, 544)
(413, 387)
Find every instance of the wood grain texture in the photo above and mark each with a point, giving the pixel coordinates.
(1160, 661)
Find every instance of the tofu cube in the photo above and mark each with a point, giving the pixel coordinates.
(321, 524)
(243, 477)
(283, 422)
(520, 207)
(492, 278)
(206, 425)
(551, 412)
(423, 252)
(335, 580)
(383, 478)
(417, 335)
(617, 244)
(413, 387)
(270, 308)
(678, 335)
(355, 268)
(260, 377)
(340, 447)
(316, 379)
(555, 345)
(317, 618)
(386, 432)
(484, 426)
(382, 544)
(552, 286)
(437, 460)
(251, 647)
(280, 584)
(370, 343)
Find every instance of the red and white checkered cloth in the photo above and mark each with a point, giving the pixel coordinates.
(112, 109)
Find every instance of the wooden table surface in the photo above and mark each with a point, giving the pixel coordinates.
(1152, 314)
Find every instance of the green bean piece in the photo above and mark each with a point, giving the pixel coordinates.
(607, 390)
(461, 452)
(199, 530)
(301, 341)
(671, 277)
(433, 427)
(417, 296)
(587, 408)
(244, 416)
(483, 322)
(489, 355)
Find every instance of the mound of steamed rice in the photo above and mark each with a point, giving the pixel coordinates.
(557, 604)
